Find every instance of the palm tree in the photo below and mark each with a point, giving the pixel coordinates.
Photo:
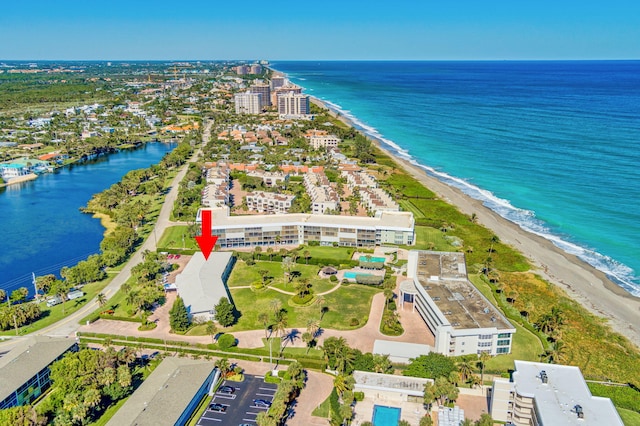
(211, 330)
(263, 317)
(275, 305)
(307, 338)
(102, 299)
(270, 253)
(341, 383)
(313, 326)
(466, 370)
(3, 295)
(281, 321)
(388, 296)
(484, 358)
(307, 255)
(257, 250)
(223, 365)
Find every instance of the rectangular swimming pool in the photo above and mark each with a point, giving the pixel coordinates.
(385, 416)
(352, 275)
(372, 259)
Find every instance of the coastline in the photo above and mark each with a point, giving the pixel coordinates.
(585, 284)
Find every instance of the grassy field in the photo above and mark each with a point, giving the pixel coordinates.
(173, 238)
(354, 299)
(244, 275)
(55, 313)
(629, 418)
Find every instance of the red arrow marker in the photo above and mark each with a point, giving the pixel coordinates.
(206, 241)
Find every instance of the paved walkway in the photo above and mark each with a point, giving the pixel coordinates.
(317, 389)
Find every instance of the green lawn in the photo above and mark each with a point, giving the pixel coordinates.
(55, 313)
(525, 346)
(353, 299)
(172, 238)
(629, 418)
(325, 252)
(244, 275)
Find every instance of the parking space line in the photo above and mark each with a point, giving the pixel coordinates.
(211, 418)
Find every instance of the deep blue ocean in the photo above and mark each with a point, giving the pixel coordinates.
(41, 225)
(552, 146)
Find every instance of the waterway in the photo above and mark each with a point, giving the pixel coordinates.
(41, 226)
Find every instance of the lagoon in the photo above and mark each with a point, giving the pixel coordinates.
(41, 225)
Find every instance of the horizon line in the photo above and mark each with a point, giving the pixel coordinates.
(321, 60)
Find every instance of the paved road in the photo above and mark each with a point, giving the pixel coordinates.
(69, 325)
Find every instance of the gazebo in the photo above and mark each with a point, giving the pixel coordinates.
(329, 270)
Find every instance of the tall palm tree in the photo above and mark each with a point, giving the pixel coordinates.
(270, 253)
(275, 305)
(313, 326)
(3, 295)
(466, 370)
(307, 255)
(484, 358)
(263, 317)
(102, 299)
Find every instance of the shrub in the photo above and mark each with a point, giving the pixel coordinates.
(333, 278)
(226, 341)
(354, 322)
(358, 396)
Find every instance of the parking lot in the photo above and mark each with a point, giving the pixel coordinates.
(236, 406)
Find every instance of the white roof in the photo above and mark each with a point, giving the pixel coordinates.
(389, 382)
(200, 284)
(565, 389)
(400, 351)
(401, 221)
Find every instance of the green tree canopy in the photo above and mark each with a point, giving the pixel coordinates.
(225, 312)
(430, 366)
(179, 316)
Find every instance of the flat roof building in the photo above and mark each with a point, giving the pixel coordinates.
(302, 228)
(549, 394)
(24, 370)
(462, 320)
(248, 103)
(169, 396)
(204, 282)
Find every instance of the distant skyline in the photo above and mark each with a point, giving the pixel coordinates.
(323, 30)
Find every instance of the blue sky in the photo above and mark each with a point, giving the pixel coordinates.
(328, 29)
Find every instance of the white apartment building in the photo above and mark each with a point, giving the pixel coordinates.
(303, 228)
(359, 179)
(462, 320)
(248, 103)
(376, 200)
(269, 202)
(323, 196)
(292, 104)
(324, 141)
(549, 394)
(278, 81)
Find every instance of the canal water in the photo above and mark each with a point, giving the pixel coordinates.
(41, 226)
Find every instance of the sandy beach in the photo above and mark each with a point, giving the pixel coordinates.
(585, 284)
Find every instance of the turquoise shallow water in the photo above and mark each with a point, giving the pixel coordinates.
(552, 146)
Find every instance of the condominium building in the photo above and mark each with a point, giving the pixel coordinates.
(269, 202)
(256, 69)
(549, 394)
(24, 370)
(293, 105)
(358, 179)
(302, 228)
(462, 320)
(278, 81)
(323, 197)
(265, 91)
(275, 92)
(328, 141)
(248, 103)
(376, 199)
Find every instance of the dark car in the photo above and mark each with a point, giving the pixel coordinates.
(263, 403)
(218, 408)
(228, 390)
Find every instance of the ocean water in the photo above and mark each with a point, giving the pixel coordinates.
(553, 146)
(41, 225)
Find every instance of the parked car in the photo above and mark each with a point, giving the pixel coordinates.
(53, 301)
(75, 294)
(218, 408)
(228, 390)
(263, 403)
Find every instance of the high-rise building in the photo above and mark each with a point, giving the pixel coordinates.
(242, 69)
(248, 103)
(256, 69)
(278, 81)
(264, 90)
(281, 90)
(293, 104)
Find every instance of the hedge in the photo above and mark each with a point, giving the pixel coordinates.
(369, 279)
